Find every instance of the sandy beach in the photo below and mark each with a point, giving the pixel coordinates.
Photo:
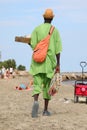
(16, 105)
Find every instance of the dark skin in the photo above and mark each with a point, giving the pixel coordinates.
(57, 69)
(46, 101)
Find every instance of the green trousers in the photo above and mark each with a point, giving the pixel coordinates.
(41, 84)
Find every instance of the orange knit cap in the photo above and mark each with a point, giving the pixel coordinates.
(48, 13)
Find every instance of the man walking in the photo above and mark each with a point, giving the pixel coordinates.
(43, 72)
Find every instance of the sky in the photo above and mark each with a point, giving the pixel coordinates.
(20, 17)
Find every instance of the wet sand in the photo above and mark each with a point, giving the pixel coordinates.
(16, 105)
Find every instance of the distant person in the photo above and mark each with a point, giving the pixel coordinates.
(7, 73)
(3, 71)
(43, 72)
(11, 70)
(0, 73)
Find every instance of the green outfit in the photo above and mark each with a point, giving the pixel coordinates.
(41, 83)
(47, 67)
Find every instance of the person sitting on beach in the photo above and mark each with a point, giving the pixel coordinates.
(24, 86)
(11, 70)
(3, 72)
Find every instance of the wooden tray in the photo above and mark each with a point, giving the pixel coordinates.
(23, 39)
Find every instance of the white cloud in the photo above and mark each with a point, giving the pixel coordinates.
(78, 16)
(74, 3)
(17, 21)
(10, 23)
(10, 1)
(72, 10)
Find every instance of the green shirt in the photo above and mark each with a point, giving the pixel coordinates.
(55, 47)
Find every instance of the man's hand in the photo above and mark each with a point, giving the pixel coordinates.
(52, 91)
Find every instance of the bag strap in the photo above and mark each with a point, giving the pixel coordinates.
(51, 30)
